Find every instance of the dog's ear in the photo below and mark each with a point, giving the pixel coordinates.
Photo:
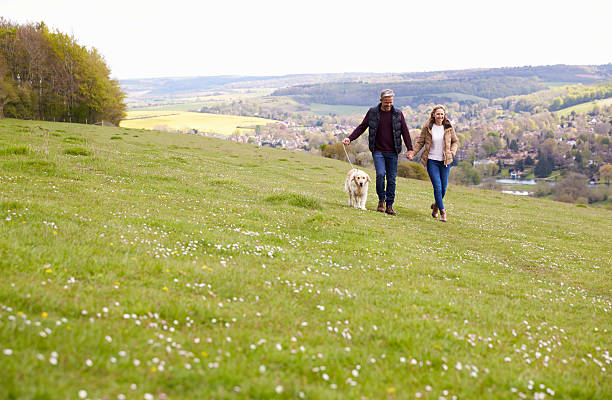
(368, 178)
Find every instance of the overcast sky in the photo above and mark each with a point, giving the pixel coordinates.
(154, 38)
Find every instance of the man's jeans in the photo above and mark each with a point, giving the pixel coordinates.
(438, 174)
(386, 165)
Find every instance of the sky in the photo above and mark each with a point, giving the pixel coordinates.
(153, 38)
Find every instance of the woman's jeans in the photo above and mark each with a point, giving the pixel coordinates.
(386, 165)
(438, 174)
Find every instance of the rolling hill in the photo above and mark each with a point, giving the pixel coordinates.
(357, 88)
(142, 264)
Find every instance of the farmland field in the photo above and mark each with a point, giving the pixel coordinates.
(186, 106)
(182, 120)
(584, 107)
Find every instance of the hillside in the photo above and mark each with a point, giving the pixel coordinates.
(357, 88)
(141, 264)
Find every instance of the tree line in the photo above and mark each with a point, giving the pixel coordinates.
(556, 99)
(414, 93)
(47, 75)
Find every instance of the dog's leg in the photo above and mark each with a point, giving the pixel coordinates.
(362, 202)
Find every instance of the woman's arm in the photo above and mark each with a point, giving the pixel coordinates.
(454, 142)
(419, 142)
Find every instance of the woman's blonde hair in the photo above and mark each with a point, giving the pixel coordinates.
(432, 119)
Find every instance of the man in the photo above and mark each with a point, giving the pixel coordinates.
(387, 128)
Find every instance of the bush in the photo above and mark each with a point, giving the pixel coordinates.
(465, 174)
(336, 151)
(601, 193)
(412, 170)
(582, 200)
(572, 187)
(491, 184)
(542, 189)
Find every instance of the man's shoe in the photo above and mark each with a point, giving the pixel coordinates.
(434, 208)
(381, 206)
(390, 211)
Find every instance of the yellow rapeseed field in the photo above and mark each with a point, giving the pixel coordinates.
(182, 120)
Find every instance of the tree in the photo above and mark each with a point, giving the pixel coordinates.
(487, 169)
(578, 159)
(602, 128)
(465, 174)
(605, 173)
(492, 145)
(48, 75)
(548, 147)
(543, 167)
(7, 89)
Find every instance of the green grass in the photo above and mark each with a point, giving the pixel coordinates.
(186, 267)
(77, 151)
(14, 150)
(553, 85)
(584, 108)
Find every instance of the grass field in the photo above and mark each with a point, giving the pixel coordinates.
(553, 85)
(148, 265)
(182, 120)
(191, 102)
(584, 107)
(170, 107)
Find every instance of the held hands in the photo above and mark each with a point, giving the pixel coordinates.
(410, 155)
(346, 141)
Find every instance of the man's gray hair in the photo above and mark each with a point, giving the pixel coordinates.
(387, 93)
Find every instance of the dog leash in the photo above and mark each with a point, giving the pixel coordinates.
(347, 156)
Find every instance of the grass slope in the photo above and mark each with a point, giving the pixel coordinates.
(584, 108)
(139, 264)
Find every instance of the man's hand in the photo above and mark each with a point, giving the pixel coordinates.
(346, 141)
(410, 155)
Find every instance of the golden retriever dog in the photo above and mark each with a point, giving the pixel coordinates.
(356, 185)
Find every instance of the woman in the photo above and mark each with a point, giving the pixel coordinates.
(440, 142)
